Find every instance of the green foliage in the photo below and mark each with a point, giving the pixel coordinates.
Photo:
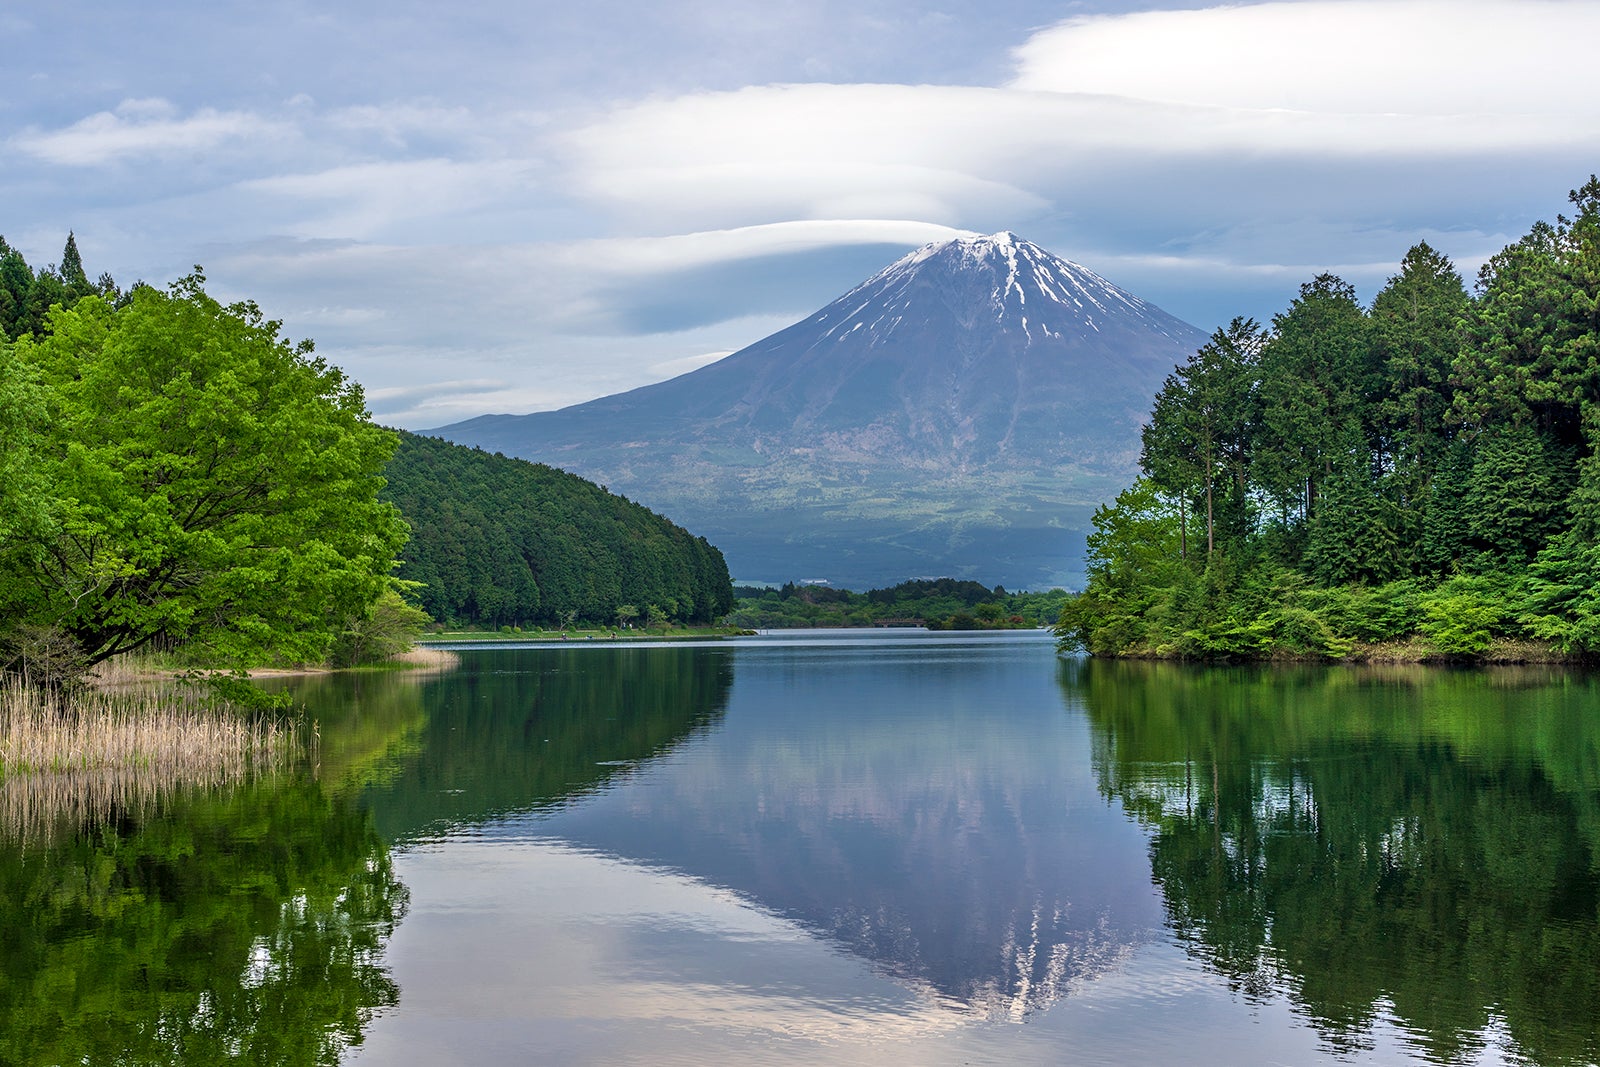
(1133, 563)
(933, 603)
(499, 541)
(246, 928)
(1463, 615)
(1561, 599)
(1515, 493)
(1199, 433)
(1372, 455)
(1314, 373)
(1351, 538)
(387, 628)
(26, 298)
(208, 483)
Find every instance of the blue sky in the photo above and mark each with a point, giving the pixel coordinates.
(515, 206)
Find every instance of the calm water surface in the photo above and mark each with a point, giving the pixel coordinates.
(871, 847)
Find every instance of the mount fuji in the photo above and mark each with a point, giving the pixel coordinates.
(960, 413)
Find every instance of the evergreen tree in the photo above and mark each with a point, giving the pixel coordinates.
(1352, 538)
(1433, 465)
(1315, 371)
(1200, 427)
(1515, 494)
(16, 279)
(71, 270)
(1417, 320)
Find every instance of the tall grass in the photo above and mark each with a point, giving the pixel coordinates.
(81, 756)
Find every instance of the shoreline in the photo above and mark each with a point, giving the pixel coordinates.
(417, 660)
(1502, 652)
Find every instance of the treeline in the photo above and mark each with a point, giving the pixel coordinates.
(938, 604)
(26, 297)
(1425, 469)
(500, 542)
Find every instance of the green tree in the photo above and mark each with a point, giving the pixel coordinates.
(1515, 493)
(214, 484)
(387, 628)
(1132, 562)
(71, 271)
(1199, 428)
(16, 278)
(1534, 350)
(1417, 319)
(1352, 538)
(498, 540)
(1315, 369)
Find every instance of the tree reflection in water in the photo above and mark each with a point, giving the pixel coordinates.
(245, 925)
(1409, 841)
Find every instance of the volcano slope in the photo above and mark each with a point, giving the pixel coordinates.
(961, 413)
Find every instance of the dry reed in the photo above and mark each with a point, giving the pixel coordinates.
(81, 757)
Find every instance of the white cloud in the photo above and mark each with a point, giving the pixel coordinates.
(1375, 87)
(1489, 58)
(966, 156)
(709, 247)
(147, 127)
(368, 198)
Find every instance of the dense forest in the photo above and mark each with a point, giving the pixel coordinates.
(1421, 474)
(937, 603)
(500, 541)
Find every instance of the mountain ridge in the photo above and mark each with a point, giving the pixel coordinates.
(913, 425)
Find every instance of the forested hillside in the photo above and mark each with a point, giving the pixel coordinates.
(502, 541)
(1424, 470)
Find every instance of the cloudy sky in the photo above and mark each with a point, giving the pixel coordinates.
(510, 206)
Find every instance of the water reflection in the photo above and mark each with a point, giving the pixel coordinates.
(920, 807)
(511, 731)
(1375, 843)
(240, 925)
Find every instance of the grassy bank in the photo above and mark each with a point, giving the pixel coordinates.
(82, 756)
(174, 730)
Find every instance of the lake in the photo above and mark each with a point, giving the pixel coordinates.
(863, 847)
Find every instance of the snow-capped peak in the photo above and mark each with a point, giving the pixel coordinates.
(1025, 288)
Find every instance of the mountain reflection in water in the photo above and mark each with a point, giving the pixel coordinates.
(917, 807)
(882, 848)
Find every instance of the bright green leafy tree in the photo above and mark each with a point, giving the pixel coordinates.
(210, 483)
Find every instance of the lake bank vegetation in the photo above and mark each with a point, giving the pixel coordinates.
(937, 604)
(1414, 479)
(78, 757)
(180, 482)
(176, 475)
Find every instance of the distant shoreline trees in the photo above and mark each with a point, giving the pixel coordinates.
(1425, 468)
(937, 604)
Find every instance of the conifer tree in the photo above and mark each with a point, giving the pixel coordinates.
(71, 269)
